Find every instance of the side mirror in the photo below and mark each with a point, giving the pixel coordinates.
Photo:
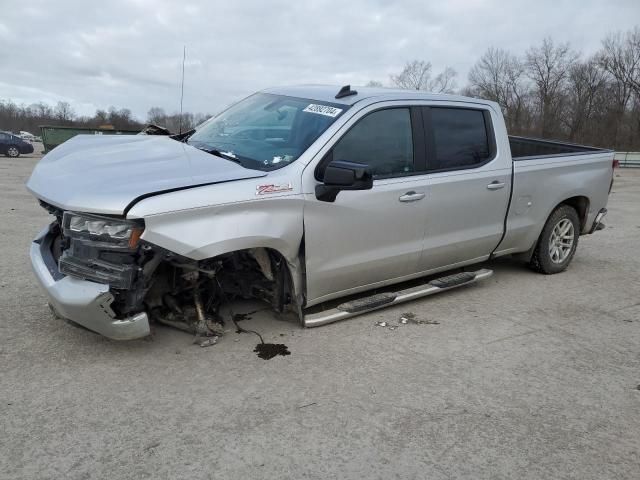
(343, 175)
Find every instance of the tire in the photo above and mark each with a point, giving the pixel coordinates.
(13, 152)
(558, 241)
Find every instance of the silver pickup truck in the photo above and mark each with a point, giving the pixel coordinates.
(299, 196)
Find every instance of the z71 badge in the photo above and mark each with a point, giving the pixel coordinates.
(272, 188)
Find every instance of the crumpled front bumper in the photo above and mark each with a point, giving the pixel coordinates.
(83, 302)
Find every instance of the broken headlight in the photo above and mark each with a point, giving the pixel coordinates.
(114, 231)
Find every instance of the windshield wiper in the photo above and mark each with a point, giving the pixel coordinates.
(183, 137)
(219, 153)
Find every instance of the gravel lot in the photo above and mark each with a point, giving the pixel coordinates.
(525, 376)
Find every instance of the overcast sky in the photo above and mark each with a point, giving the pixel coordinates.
(128, 53)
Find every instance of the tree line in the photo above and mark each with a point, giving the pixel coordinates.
(29, 118)
(549, 91)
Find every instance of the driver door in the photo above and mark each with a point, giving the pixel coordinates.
(368, 238)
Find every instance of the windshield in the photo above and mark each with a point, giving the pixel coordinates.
(264, 131)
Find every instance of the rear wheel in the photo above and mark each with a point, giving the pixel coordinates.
(558, 241)
(13, 152)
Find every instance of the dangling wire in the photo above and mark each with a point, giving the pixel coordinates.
(233, 316)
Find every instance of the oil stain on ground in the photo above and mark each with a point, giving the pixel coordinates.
(267, 351)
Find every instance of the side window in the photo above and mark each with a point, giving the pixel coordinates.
(460, 138)
(382, 140)
(3, 136)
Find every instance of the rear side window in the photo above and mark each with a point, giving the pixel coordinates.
(382, 140)
(460, 138)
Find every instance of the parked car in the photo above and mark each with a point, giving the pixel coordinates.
(12, 146)
(299, 196)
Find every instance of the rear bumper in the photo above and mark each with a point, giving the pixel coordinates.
(83, 302)
(597, 222)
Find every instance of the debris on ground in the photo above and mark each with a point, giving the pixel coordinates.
(405, 319)
(151, 446)
(207, 342)
(427, 322)
(410, 317)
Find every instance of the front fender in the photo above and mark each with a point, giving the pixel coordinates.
(206, 232)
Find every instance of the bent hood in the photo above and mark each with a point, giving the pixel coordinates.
(107, 173)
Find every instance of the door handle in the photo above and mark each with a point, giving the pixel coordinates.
(495, 185)
(411, 196)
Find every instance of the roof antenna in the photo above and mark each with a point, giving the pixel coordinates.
(184, 56)
(346, 92)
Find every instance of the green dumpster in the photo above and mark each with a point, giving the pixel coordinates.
(54, 136)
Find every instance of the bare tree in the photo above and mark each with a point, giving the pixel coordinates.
(498, 76)
(63, 112)
(156, 116)
(621, 58)
(414, 76)
(548, 67)
(199, 118)
(445, 82)
(101, 118)
(374, 83)
(585, 89)
(41, 110)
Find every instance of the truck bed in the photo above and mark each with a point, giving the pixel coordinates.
(525, 148)
(547, 173)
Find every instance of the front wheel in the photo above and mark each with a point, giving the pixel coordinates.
(558, 241)
(13, 152)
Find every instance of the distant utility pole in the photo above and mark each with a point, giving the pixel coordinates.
(184, 56)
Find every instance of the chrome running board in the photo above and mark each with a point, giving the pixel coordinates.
(381, 300)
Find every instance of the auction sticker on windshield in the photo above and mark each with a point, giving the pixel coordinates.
(323, 110)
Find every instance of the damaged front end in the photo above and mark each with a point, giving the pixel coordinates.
(98, 272)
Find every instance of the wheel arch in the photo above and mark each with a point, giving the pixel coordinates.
(580, 204)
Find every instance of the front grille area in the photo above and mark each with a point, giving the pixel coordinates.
(91, 259)
(95, 270)
(98, 261)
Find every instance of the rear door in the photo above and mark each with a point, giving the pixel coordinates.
(4, 142)
(365, 238)
(469, 186)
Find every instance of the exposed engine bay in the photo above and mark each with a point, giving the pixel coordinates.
(173, 290)
(188, 294)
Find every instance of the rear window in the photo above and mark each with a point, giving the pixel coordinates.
(460, 138)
